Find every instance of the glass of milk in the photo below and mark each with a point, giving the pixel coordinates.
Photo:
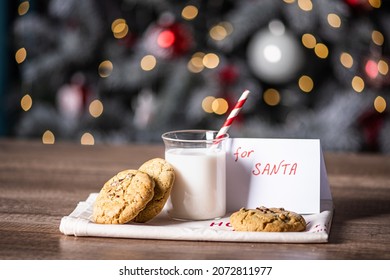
(199, 191)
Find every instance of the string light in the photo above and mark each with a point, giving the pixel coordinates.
(87, 139)
(48, 137)
(189, 12)
(26, 102)
(148, 62)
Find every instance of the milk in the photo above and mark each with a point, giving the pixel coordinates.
(199, 192)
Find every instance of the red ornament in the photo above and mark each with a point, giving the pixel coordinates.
(168, 40)
(228, 75)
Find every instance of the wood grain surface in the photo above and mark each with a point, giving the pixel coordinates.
(39, 184)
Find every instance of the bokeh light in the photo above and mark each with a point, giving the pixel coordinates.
(207, 104)
(105, 69)
(306, 83)
(271, 97)
(321, 50)
(346, 60)
(23, 8)
(357, 84)
(96, 108)
(375, 3)
(380, 104)
(189, 12)
(383, 67)
(87, 139)
(220, 106)
(377, 37)
(334, 20)
(305, 5)
(20, 55)
(26, 102)
(119, 28)
(48, 137)
(211, 60)
(371, 69)
(309, 41)
(148, 62)
(166, 39)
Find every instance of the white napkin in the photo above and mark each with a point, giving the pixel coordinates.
(78, 223)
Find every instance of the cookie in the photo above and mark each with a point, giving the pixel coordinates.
(123, 197)
(267, 219)
(164, 176)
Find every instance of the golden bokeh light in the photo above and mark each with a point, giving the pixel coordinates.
(271, 97)
(211, 60)
(289, 1)
(383, 67)
(305, 5)
(309, 41)
(207, 104)
(148, 62)
(195, 65)
(375, 3)
(96, 108)
(20, 55)
(306, 83)
(220, 106)
(26, 102)
(357, 84)
(377, 37)
(48, 137)
(87, 139)
(346, 60)
(321, 50)
(218, 32)
(334, 20)
(189, 12)
(23, 8)
(119, 28)
(105, 68)
(380, 104)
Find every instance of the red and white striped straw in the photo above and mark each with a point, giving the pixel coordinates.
(233, 114)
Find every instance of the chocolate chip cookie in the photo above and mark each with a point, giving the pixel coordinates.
(267, 219)
(164, 176)
(123, 197)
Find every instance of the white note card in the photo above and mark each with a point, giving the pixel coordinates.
(288, 173)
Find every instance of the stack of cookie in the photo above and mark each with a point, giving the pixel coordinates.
(135, 195)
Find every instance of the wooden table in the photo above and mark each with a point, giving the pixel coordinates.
(39, 184)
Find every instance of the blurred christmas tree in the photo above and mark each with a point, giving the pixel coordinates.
(129, 70)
